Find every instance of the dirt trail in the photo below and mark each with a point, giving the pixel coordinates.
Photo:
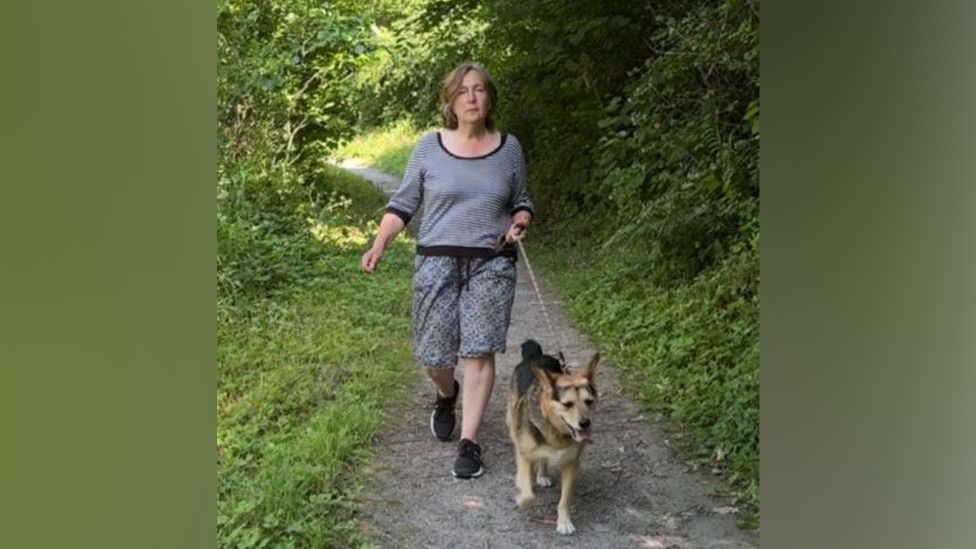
(632, 489)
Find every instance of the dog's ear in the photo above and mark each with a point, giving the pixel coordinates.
(591, 367)
(545, 378)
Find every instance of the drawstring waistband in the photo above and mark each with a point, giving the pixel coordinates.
(463, 279)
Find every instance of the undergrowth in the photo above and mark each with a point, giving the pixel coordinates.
(305, 363)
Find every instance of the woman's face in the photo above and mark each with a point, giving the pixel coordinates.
(471, 102)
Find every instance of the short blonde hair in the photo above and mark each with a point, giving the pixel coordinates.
(451, 85)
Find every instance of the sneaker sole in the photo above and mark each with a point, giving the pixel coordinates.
(476, 474)
(433, 432)
(457, 388)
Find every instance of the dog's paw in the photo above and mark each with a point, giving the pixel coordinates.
(565, 527)
(524, 500)
(543, 481)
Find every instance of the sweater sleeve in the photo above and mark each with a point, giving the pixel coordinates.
(406, 200)
(520, 194)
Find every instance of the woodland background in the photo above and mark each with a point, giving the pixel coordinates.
(640, 123)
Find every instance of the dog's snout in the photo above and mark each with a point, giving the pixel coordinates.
(584, 424)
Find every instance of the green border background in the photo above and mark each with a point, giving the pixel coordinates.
(868, 166)
(106, 325)
(107, 317)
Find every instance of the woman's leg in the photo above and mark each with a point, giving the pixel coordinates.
(436, 333)
(443, 418)
(485, 310)
(443, 379)
(479, 379)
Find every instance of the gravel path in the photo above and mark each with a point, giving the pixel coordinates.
(632, 490)
(386, 182)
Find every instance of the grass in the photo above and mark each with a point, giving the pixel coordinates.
(387, 149)
(303, 375)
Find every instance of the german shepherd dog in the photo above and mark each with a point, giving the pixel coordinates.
(548, 417)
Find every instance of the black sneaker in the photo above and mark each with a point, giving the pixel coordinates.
(468, 463)
(442, 419)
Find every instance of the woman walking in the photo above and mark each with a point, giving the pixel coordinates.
(470, 180)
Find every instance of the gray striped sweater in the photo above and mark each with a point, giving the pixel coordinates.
(468, 202)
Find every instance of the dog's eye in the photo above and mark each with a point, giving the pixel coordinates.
(567, 404)
(589, 402)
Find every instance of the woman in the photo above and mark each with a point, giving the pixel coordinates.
(470, 180)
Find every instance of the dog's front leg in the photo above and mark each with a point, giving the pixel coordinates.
(563, 524)
(541, 478)
(523, 480)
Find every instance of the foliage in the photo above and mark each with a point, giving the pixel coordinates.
(284, 73)
(302, 382)
(264, 238)
(418, 43)
(302, 370)
(678, 159)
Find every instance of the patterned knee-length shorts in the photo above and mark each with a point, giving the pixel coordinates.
(461, 307)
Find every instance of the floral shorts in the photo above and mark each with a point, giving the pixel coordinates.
(461, 307)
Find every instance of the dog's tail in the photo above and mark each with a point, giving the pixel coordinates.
(531, 349)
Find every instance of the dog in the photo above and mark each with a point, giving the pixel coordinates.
(548, 416)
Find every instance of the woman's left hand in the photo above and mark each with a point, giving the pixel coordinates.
(516, 232)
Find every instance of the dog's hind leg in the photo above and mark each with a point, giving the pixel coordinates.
(523, 480)
(563, 524)
(541, 479)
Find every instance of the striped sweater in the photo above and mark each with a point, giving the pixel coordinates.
(468, 203)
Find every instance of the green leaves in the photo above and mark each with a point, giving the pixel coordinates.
(752, 116)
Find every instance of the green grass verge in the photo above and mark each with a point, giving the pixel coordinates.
(387, 149)
(304, 374)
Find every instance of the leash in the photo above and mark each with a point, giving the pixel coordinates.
(545, 314)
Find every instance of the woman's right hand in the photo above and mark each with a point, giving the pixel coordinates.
(371, 259)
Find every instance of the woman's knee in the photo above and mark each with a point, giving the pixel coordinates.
(479, 362)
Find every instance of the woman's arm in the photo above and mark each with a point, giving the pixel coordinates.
(402, 205)
(390, 226)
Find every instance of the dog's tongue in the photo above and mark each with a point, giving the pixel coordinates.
(581, 435)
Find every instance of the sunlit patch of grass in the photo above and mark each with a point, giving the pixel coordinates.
(387, 149)
(343, 236)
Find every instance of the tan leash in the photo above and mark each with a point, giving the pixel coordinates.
(535, 285)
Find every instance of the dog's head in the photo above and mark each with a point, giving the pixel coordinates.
(569, 400)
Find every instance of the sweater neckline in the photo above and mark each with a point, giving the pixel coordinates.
(501, 143)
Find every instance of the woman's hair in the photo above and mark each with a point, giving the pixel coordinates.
(451, 85)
